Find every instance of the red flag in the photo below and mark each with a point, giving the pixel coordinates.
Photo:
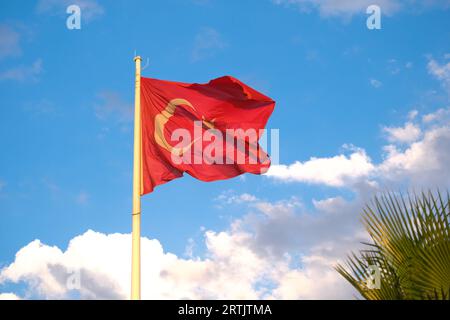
(210, 131)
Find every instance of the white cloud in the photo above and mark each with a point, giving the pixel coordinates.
(375, 83)
(230, 270)
(234, 267)
(341, 7)
(250, 260)
(421, 159)
(9, 41)
(90, 9)
(317, 278)
(279, 208)
(47, 269)
(412, 114)
(207, 42)
(334, 171)
(331, 8)
(229, 197)
(189, 249)
(311, 241)
(442, 115)
(406, 134)
(23, 73)
(8, 296)
(440, 71)
(296, 229)
(423, 163)
(329, 204)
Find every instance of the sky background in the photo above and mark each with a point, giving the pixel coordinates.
(359, 111)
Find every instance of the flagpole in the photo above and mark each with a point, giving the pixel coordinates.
(136, 214)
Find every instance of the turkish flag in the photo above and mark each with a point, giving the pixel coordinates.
(210, 131)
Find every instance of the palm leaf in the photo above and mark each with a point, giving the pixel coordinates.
(410, 246)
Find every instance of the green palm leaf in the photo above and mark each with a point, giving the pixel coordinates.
(411, 248)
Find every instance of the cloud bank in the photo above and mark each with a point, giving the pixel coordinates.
(278, 250)
(333, 8)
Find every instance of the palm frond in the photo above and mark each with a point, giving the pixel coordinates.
(410, 246)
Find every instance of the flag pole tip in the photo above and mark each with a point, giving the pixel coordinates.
(137, 58)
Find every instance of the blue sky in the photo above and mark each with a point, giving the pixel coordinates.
(340, 90)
